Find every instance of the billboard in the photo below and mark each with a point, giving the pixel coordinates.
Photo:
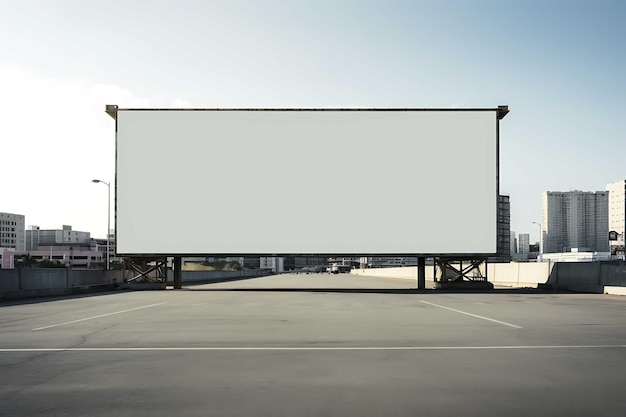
(306, 181)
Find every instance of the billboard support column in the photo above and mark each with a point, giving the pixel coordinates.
(147, 270)
(421, 273)
(461, 273)
(178, 272)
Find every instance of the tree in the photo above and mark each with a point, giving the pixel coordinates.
(46, 263)
(233, 266)
(25, 261)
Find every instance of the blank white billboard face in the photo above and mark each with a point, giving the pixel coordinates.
(306, 182)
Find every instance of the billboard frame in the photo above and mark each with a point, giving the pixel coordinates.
(500, 112)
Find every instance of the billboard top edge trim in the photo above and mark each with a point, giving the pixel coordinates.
(501, 110)
(311, 109)
(287, 254)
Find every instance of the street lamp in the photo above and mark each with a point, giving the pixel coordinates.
(540, 241)
(108, 215)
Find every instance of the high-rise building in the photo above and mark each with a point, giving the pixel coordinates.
(524, 244)
(617, 212)
(513, 243)
(504, 229)
(575, 220)
(12, 231)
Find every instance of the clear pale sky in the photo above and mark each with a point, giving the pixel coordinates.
(559, 65)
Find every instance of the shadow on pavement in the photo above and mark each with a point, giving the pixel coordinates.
(47, 299)
(216, 280)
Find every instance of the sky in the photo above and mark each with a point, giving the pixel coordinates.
(558, 64)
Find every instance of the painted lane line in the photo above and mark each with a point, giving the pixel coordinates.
(472, 315)
(317, 348)
(98, 316)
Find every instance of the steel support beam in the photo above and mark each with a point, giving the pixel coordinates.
(461, 273)
(145, 269)
(421, 273)
(178, 272)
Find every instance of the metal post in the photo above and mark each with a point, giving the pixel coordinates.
(178, 271)
(421, 273)
(108, 217)
(540, 257)
(108, 227)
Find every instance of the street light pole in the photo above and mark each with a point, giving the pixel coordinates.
(108, 216)
(540, 241)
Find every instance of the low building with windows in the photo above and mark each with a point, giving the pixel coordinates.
(65, 246)
(68, 256)
(36, 237)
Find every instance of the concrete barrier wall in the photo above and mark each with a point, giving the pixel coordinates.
(599, 277)
(613, 274)
(596, 277)
(533, 273)
(612, 290)
(510, 274)
(9, 280)
(114, 276)
(83, 277)
(43, 278)
(39, 282)
(505, 274)
(407, 272)
(579, 273)
(60, 278)
(519, 274)
(30, 279)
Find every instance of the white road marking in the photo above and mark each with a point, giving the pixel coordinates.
(98, 316)
(472, 315)
(316, 348)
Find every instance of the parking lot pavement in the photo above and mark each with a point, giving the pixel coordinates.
(314, 344)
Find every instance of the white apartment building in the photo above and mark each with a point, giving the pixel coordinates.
(575, 220)
(617, 210)
(12, 231)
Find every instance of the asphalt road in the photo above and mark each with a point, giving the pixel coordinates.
(314, 345)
